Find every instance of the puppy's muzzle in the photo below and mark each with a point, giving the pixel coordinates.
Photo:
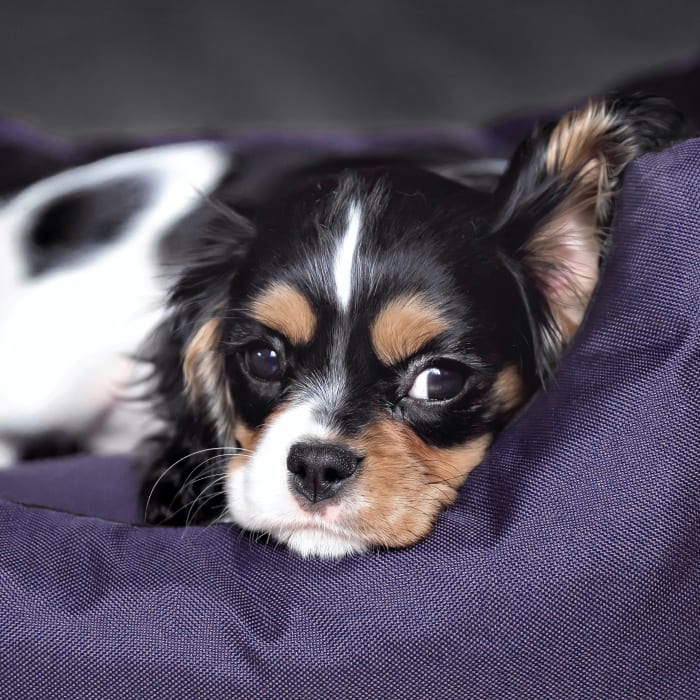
(319, 471)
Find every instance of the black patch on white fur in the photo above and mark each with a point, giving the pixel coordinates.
(77, 224)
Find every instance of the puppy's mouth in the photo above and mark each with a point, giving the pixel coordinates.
(326, 511)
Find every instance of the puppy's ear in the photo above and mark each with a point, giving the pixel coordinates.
(190, 344)
(191, 394)
(206, 386)
(555, 204)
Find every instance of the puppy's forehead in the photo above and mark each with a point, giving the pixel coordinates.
(349, 258)
(360, 276)
(356, 236)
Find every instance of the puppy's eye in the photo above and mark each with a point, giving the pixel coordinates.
(264, 363)
(437, 384)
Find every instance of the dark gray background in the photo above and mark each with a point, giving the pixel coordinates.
(92, 67)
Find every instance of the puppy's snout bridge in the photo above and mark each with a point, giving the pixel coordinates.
(319, 471)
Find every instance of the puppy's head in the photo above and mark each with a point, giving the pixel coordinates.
(357, 356)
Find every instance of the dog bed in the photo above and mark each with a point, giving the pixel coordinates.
(569, 567)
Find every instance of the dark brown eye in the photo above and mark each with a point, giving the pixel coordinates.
(437, 384)
(264, 363)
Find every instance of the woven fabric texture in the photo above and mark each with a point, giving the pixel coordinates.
(570, 566)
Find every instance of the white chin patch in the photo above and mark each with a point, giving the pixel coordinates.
(321, 543)
(258, 495)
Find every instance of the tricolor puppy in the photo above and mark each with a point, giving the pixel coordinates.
(335, 366)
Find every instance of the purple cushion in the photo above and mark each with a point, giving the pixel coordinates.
(570, 567)
(104, 487)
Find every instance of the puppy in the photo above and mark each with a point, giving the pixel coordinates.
(336, 363)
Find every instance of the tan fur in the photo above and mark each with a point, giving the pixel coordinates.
(403, 483)
(404, 326)
(575, 138)
(205, 382)
(200, 354)
(509, 390)
(590, 148)
(287, 311)
(248, 438)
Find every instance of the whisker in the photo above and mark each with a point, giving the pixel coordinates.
(208, 500)
(191, 503)
(173, 465)
(189, 481)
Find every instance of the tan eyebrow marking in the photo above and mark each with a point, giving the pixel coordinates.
(404, 326)
(287, 311)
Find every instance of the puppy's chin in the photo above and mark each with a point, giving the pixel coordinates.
(316, 541)
(321, 543)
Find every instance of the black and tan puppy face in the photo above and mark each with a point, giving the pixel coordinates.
(385, 323)
(367, 349)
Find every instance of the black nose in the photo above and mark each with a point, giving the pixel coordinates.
(318, 471)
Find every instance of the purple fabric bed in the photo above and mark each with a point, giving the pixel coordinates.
(570, 566)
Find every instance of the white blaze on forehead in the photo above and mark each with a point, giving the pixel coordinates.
(345, 255)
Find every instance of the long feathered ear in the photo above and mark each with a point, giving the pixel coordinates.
(191, 394)
(555, 204)
(189, 342)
